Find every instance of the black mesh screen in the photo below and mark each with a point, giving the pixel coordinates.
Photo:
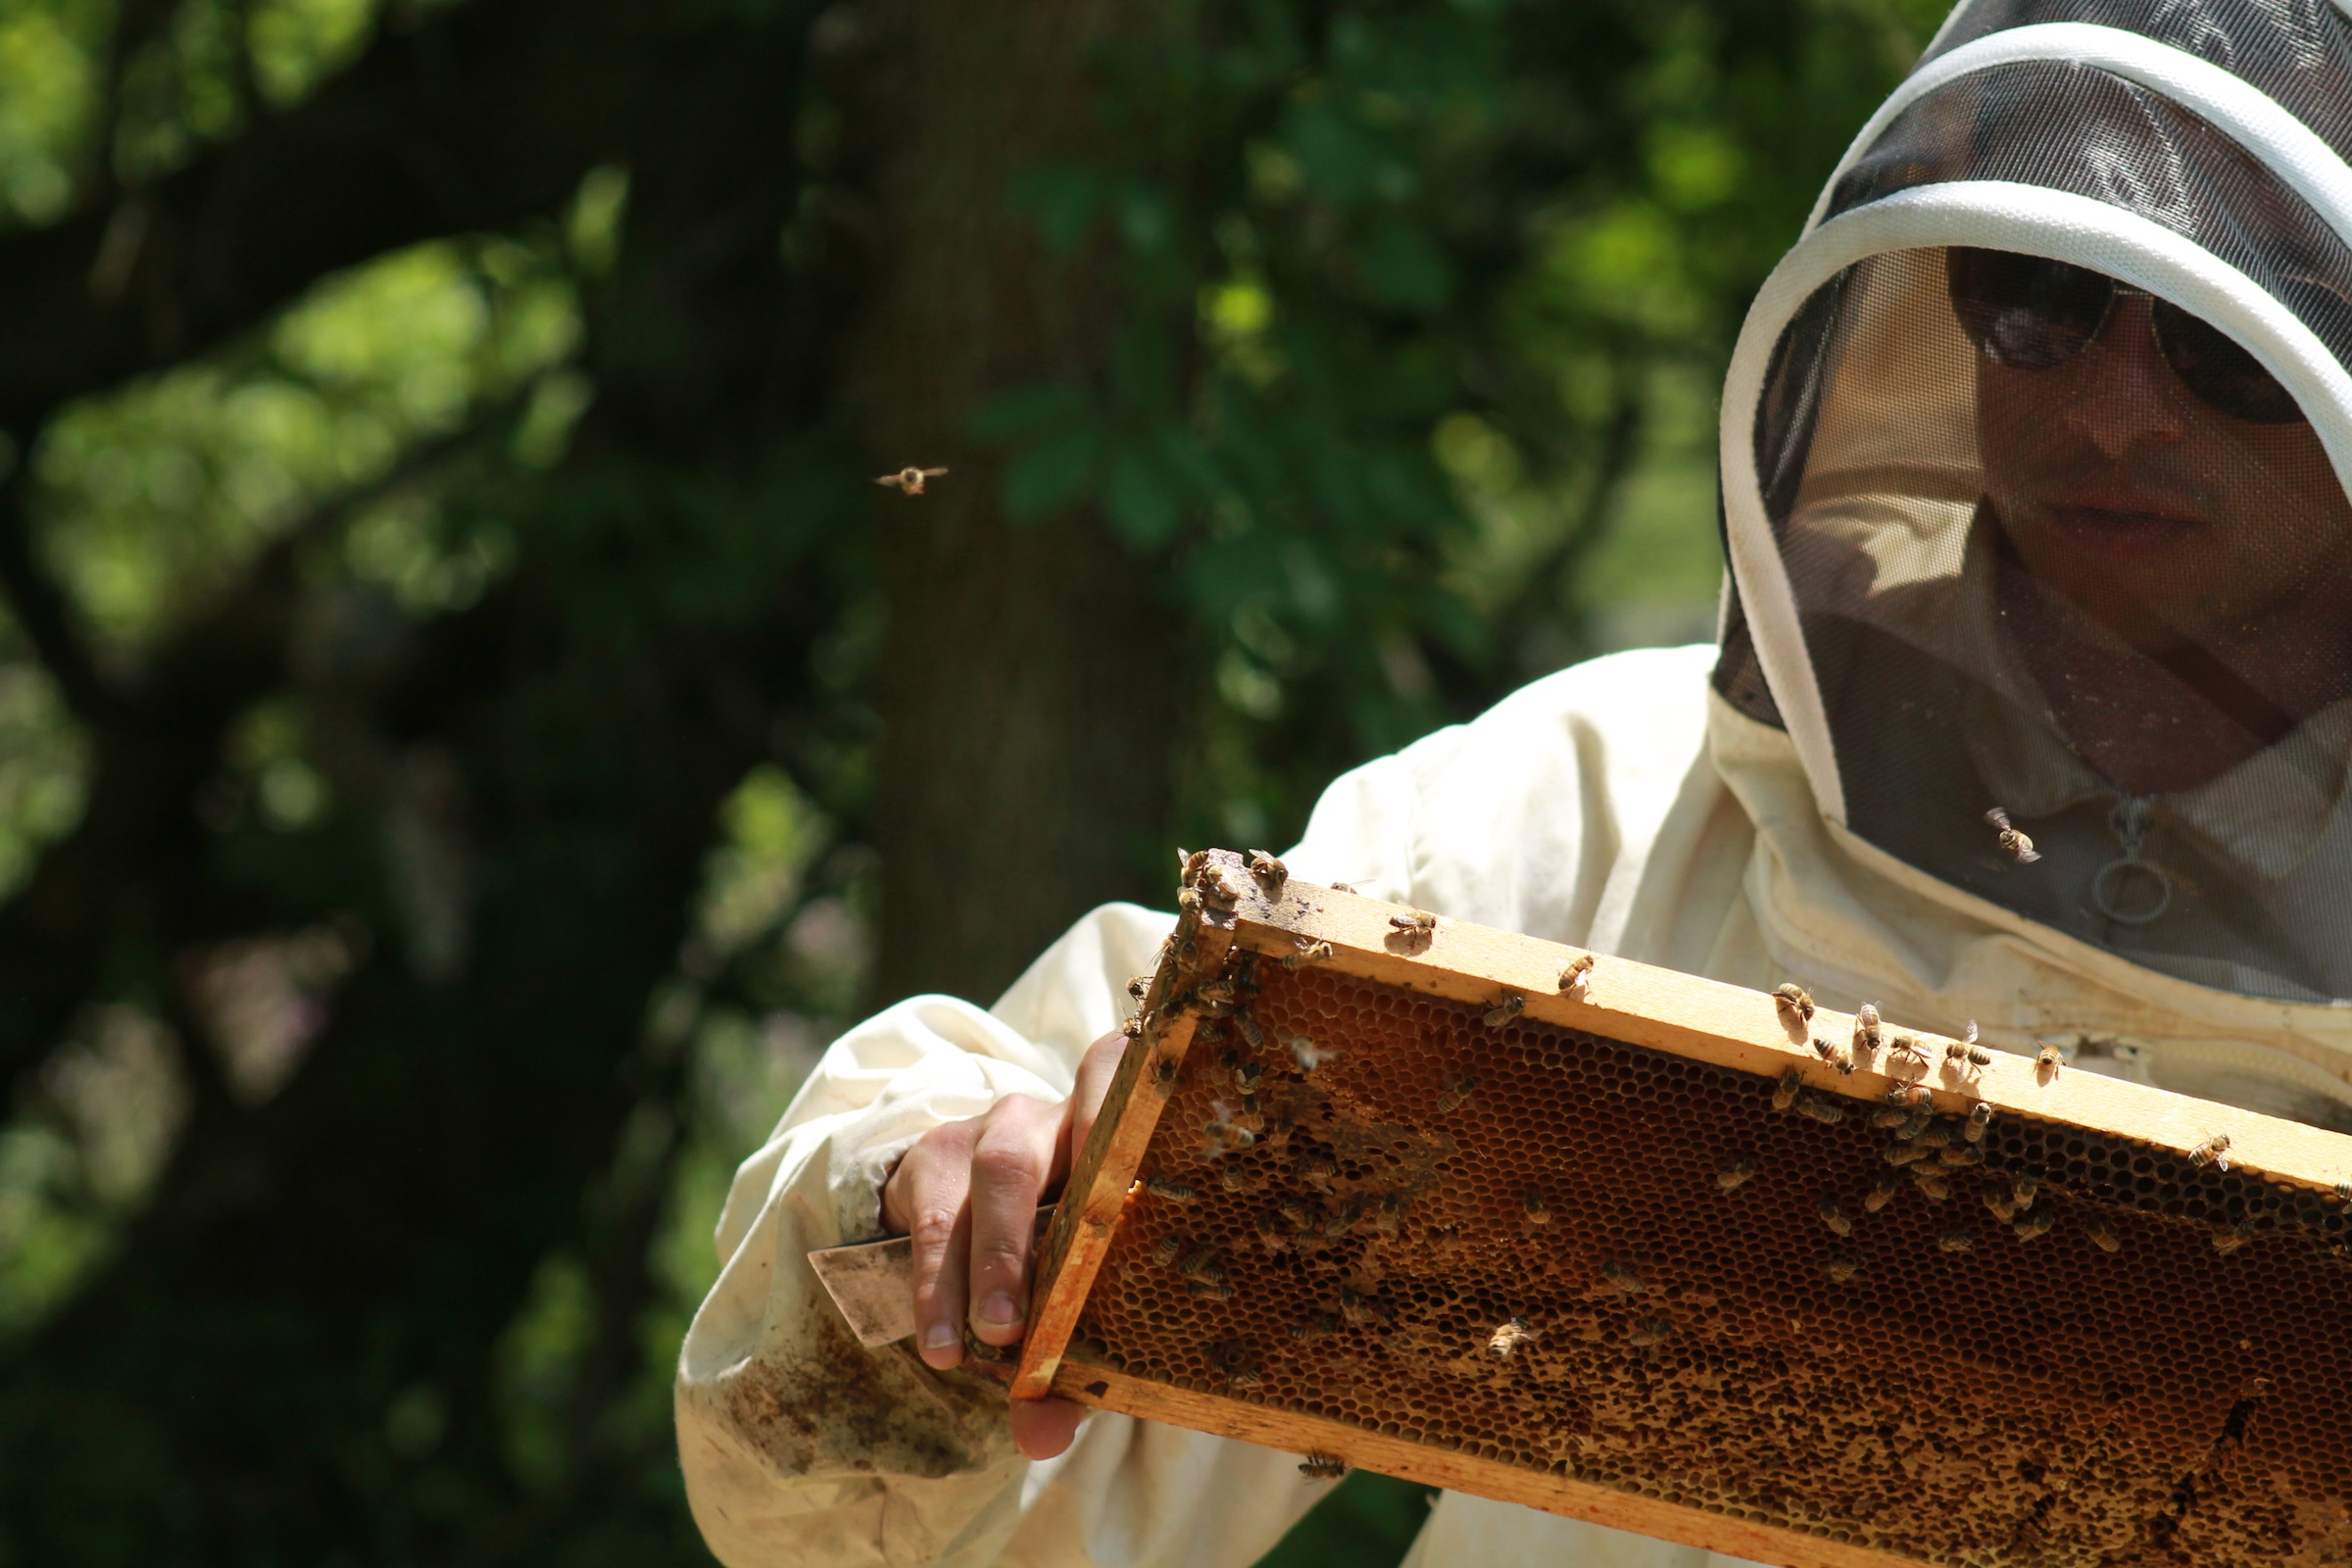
(2055, 567)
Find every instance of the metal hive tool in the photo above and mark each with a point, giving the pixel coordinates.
(1442, 1202)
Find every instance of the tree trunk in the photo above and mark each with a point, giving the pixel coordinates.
(1028, 678)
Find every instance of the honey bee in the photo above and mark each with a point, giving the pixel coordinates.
(1168, 1191)
(1791, 997)
(1316, 1172)
(1651, 1331)
(1955, 1241)
(2047, 1059)
(1360, 1310)
(1980, 1117)
(2214, 1152)
(1133, 1028)
(2031, 1226)
(1163, 1075)
(1621, 1279)
(1978, 1055)
(1388, 1217)
(1915, 1128)
(2226, 1242)
(1341, 1223)
(1454, 1098)
(1784, 1095)
(1209, 1291)
(1821, 1108)
(1905, 1153)
(1293, 1212)
(1506, 1011)
(1139, 987)
(1220, 1138)
(2344, 1192)
(1866, 1029)
(1577, 973)
(1842, 1060)
(2012, 840)
(1840, 1269)
(1834, 1215)
(1911, 1098)
(1250, 1030)
(1957, 1155)
(1321, 1326)
(1534, 1206)
(1309, 952)
(1234, 1179)
(1269, 1231)
(1170, 1249)
(1510, 1337)
(910, 480)
(1909, 1048)
(1270, 874)
(1203, 1264)
(2103, 1233)
(1888, 1118)
(1323, 1467)
(1742, 1168)
(1882, 1192)
(1961, 1056)
(2023, 1189)
(1932, 1184)
(1418, 923)
(2003, 1208)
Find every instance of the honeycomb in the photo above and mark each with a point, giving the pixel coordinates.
(1563, 1253)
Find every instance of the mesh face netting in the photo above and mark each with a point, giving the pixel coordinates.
(2066, 548)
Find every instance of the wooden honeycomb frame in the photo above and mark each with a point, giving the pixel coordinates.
(1956, 1420)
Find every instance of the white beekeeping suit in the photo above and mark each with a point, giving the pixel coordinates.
(2033, 458)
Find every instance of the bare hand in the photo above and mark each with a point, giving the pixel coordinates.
(967, 1192)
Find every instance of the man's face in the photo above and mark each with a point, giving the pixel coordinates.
(2132, 497)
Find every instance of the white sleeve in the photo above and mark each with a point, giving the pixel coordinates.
(800, 1447)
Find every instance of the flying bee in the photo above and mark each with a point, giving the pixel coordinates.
(1742, 1168)
(1621, 1279)
(910, 480)
(2047, 1059)
(1509, 1338)
(1980, 1117)
(2023, 1189)
(1168, 1191)
(2012, 840)
(1905, 1153)
(1506, 1011)
(1533, 1205)
(1840, 1269)
(1784, 1095)
(2031, 1226)
(1454, 1098)
(2214, 1152)
(1323, 1467)
(1577, 973)
(1309, 952)
(1866, 1029)
(2226, 1242)
(2003, 1208)
(1651, 1331)
(1321, 1326)
(2103, 1233)
(1170, 1249)
(1832, 1214)
(1420, 923)
(1269, 1231)
(1220, 1138)
(1791, 997)
(1269, 873)
(1821, 1108)
(1955, 1241)
(1882, 1192)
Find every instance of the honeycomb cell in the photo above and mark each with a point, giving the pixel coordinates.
(1818, 1346)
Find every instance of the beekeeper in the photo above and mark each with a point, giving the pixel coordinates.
(2033, 458)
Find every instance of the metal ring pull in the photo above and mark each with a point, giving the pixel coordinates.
(2132, 890)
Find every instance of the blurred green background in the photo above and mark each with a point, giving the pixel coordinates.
(472, 729)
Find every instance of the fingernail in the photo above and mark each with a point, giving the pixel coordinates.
(999, 1309)
(939, 1336)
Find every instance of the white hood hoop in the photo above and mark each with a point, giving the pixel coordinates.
(2031, 220)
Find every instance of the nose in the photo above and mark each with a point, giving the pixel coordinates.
(2126, 395)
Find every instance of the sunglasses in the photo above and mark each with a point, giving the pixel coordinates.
(2028, 313)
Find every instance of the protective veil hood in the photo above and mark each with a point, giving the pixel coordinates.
(2035, 457)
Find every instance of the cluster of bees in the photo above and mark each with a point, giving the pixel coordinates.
(1934, 1149)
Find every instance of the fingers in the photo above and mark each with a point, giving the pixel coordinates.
(1095, 1072)
(1043, 1428)
(925, 1197)
(1016, 1154)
